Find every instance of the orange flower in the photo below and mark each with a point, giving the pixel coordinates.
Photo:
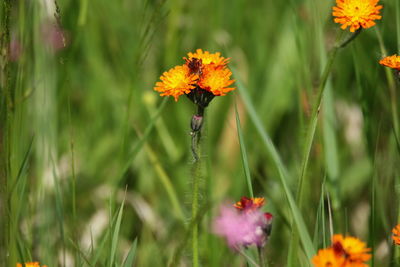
(203, 77)
(396, 234)
(327, 258)
(356, 13)
(344, 252)
(246, 203)
(175, 82)
(216, 80)
(353, 249)
(207, 58)
(391, 62)
(30, 264)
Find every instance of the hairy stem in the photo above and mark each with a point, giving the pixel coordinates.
(196, 172)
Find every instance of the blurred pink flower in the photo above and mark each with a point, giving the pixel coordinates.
(54, 36)
(15, 49)
(242, 228)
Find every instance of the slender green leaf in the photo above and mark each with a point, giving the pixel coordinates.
(130, 258)
(115, 234)
(243, 154)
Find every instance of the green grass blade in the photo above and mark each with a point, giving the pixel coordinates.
(283, 176)
(23, 167)
(130, 258)
(115, 235)
(139, 144)
(398, 25)
(243, 153)
(100, 249)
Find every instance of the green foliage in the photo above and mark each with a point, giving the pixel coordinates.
(95, 166)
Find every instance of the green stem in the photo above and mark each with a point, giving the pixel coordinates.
(196, 172)
(7, 247)
(314, 120)
(261, 258)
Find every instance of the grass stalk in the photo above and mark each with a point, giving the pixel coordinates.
(243, 153)
(5, 111)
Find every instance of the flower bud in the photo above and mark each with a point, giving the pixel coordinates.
(196, 123)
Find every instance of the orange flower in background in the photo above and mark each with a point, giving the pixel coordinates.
(30, 264)
(327, 258)
(396, 234)
(391, 62)
(345, 252)
(175, 82)
(356, 13)
(247, 203)
(203, 77)
(351, 248)
(216, 80)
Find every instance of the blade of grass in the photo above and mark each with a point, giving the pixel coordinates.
(139, 144)
(59, 207)
(283, 176)
(243, 153)
(115, 234)
(166, 182)
(100, 248)
(320, 220)
(84, 257)
(398, 25)
(130, 258)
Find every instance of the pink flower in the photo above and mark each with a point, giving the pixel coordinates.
(242, 228)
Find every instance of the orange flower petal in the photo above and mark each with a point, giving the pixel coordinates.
(396, 234)
(327, 258)
(246, 203)
(208, 58)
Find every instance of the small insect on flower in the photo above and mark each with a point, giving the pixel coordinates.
(30, 264)
(195, 65)
(356, 13)
(396, 234)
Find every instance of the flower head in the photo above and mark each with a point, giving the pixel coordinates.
(242, 229)
(356, 13)
(391, 62)
(201, 78)
(175, 82)
(327, 258)
(216, 79)
(247, 203)
(344, 252)
(353, 249)
(30, 264)
(396, 234)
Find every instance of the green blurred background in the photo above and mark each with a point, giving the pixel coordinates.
(82, 129)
